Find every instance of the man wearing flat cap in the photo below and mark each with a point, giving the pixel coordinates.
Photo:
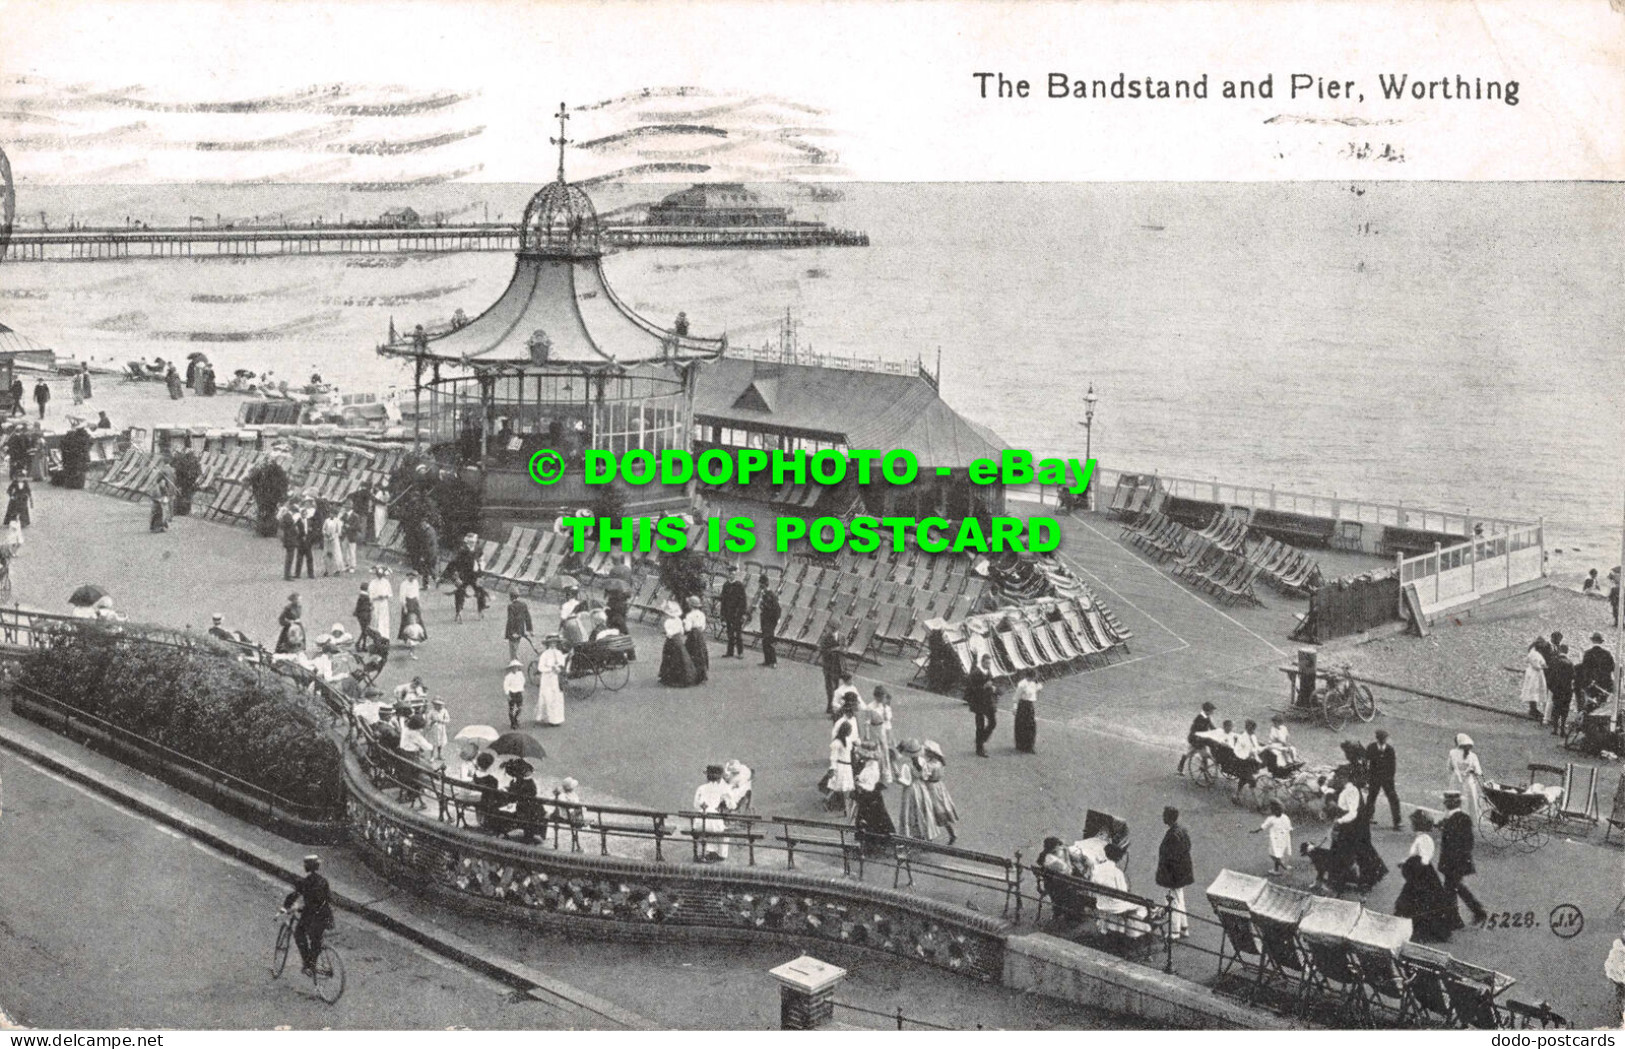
(317, 916)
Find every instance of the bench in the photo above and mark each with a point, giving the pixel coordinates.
(964, 866)
(1079, 899)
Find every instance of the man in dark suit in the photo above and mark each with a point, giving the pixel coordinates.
(1456, 854)
(735, 606)
(317, 916)
(829, 657)
(983, 701)
(1560, 682)
(1175, 871)
(519, 626)
(1381, 765)
(767, 603)
(1595, 676)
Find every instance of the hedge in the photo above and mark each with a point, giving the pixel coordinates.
(196, 700)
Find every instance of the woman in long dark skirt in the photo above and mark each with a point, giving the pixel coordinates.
(1424, 899)
(675, 668)
(874, 823)
(1027, 712)
(19, 501)
(699, 653)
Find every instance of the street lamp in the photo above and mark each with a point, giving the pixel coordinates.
(1088, 424)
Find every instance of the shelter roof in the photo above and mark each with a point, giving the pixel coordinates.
(868, 410)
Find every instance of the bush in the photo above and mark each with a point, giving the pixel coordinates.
(198, 701)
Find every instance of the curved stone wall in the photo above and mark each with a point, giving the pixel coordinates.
(637, 899)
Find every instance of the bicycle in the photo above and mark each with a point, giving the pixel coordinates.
(1342, 697)
(328, 974)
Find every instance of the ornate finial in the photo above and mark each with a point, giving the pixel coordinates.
(561, 141)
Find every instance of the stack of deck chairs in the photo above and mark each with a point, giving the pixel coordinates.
(1285, 567)
(533, 561)
(879, 599)
(1220, 560)
(1047, 638)
(331, 471)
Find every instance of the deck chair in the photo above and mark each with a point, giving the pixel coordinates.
(1472, 991)
(1425, 969)
(806, 642)
(1579, 791)
(1323, 931)
(1275, 914)
(857, 648)
(1230, 894)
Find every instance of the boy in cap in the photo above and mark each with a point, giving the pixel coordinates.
(1203, 722)
(513, 683)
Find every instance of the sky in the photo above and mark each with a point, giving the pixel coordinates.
(430, 90)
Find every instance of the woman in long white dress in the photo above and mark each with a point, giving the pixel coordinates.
(1465, 772)
(1533, 692)
(549, 696)
(881, 732)
(381, 594)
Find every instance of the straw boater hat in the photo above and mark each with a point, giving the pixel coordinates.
(219, 617)
(1596, 639)
(515, 663)
(694, 603)
(1463, 740)
(909, 746)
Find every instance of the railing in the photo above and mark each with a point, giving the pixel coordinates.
(628, 832)
(1333, 507)
(776, 355)
(1481, 565)
(896, 1017)
(273, 805)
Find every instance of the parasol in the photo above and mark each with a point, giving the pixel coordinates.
(478, 733)
(519, 744)
(86, 596)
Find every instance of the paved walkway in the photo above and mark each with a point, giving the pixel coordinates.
(1108, 738)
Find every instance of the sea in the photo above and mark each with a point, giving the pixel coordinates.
(1448, 345)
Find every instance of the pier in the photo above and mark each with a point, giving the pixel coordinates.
(142, 242)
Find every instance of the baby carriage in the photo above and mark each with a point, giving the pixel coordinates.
(1520, 816)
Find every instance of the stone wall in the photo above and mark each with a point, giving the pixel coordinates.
(636, 899)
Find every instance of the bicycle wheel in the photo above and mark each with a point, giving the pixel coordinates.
(1533, 834)
(1205, 771)
(279, 954)
(615, 677)
(1364, 703)
(329, 976)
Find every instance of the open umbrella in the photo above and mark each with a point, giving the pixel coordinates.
(478, 733)
(519, 744)
(86, 596)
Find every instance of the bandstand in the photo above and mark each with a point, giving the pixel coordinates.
(558, 361)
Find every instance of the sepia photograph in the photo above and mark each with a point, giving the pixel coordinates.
(1139, 486)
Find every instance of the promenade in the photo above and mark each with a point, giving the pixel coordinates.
(1107, 739)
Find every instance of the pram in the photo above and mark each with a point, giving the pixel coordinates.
(1521, 816)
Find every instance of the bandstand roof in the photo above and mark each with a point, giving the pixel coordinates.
(568, 301)
(558, 312)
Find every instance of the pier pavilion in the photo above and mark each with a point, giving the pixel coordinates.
(558, 361)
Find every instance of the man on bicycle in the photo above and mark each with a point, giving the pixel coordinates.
(317, 916)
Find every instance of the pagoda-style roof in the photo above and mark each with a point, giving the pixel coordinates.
(558, 313)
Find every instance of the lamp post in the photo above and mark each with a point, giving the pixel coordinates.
(1088, 424)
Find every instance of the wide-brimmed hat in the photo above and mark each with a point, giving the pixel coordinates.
(1463, 740)
(694, 602)
(672, 608)
(569, 783)
(933, 748)
(518, 767)
(218, 617)
(514, 663)
(437, 701)
(713, 770)
(909, 746)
